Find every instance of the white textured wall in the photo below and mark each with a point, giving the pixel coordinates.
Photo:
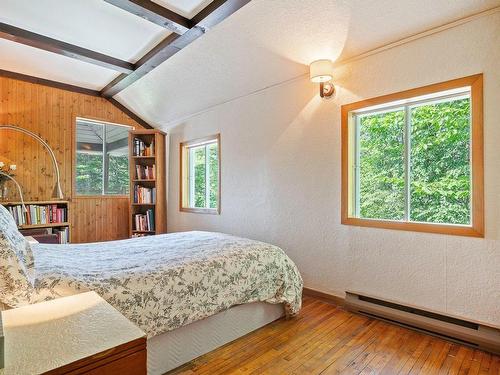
(281, 180)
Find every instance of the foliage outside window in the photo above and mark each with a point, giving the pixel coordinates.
(411, 163)
(200, 177)
(102, 165)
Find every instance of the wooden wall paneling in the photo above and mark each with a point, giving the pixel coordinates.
(51, 112)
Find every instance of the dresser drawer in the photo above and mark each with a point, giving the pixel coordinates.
(128, 359)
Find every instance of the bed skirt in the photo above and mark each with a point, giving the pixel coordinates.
(175, 348)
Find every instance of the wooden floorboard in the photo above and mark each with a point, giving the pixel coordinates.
(325, 339)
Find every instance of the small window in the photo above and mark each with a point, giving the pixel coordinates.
(413, 160)
(200, 175)
(102, 165)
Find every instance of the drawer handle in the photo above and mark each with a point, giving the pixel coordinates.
(104, 354)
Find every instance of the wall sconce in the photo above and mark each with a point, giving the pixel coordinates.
(321, 71)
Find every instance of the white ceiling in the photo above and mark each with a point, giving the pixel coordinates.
(270, 41)
(91, 24)
(186, 8)
(32, 61)
(264, 43)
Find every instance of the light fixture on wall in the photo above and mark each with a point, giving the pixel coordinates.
(321, 71)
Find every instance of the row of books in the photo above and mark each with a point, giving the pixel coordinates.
(39, 214)
(143, 172)
(143, 149)
(62, 234)
(144, 195)
(48, 235)
(145, 222)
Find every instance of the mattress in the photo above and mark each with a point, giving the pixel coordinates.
(167, 281)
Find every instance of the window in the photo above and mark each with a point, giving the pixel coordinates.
(414, 160)
(102, 165)
(200, 175)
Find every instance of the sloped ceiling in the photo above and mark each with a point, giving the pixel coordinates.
(264, 43)
(91, 24)
(271, 41)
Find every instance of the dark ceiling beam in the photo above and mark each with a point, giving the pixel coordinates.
(46, 82)
(29, 38)
(210, 16)
(154, 13)
(216, 12)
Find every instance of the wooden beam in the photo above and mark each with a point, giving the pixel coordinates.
(154, 13)
(46, 82)
(210, 16)
(129, 113)
(216, 12)
(29, 38)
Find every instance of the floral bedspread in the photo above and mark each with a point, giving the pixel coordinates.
(166, 281)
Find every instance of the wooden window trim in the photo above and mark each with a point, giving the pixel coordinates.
(182, 175)
(477, 163)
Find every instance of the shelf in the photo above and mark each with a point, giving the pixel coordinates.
(158, 159)
(51, 225)
(39, 203)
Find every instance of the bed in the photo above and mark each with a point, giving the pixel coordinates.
(190, 292)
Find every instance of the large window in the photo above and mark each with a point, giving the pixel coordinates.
(102, 165)
(200, 175)
(413, 160)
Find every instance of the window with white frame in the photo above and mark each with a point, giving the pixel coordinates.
(102, 163)
(410, 161)
(200, 175)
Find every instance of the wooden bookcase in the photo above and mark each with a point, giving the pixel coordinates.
(61, 225)
(153, 160)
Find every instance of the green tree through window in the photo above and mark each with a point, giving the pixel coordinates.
(414, 163)
(102, 165)
(203, 172)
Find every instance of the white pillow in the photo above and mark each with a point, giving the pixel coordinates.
(17, 265)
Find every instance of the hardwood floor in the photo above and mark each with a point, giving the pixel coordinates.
(325, 339)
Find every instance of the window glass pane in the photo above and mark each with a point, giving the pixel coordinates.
(381, 163)
(214, 173)
(198, 177)
(116, 164)
(440, 188)
(102, 165)
(89, 165)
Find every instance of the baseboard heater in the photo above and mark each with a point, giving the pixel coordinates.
(458, 330)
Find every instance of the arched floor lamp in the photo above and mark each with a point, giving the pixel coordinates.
(57, 188)
(19, 190)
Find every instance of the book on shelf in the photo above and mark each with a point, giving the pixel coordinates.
(145, 222)
(145, 172)
(47, 235)
(39, 214)
(141, 148)
(144, 194)
(62, 234)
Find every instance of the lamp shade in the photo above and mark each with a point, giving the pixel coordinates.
(321, 71)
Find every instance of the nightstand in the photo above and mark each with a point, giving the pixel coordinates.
(80, 334)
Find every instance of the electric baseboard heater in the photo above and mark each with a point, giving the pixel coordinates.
(465, 332)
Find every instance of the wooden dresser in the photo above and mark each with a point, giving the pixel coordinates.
(80, 334)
